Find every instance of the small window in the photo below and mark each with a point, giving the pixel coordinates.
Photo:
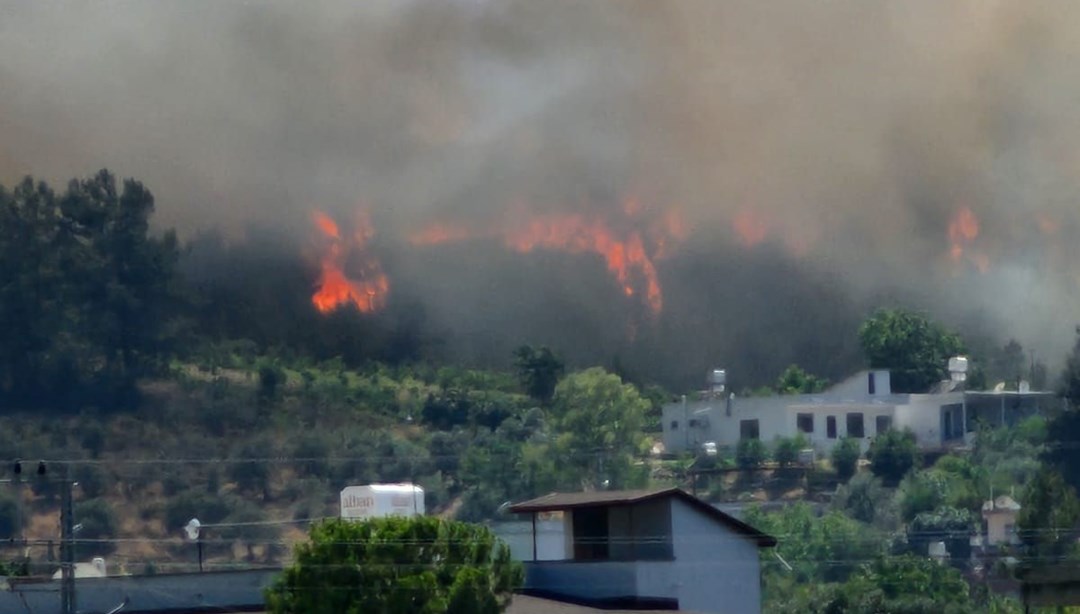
(871, 385)
(830, 427)
(748, 429)
(805, 422)
(694, 423)
(855, 425)
(883, 424)
(674, 425)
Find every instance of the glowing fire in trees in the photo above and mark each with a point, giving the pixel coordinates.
(334, 288)
(750, 227)
(630, 255)
(577, 234)
(963, 230)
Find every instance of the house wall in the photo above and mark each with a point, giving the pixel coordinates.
(596, 580)
(996, 527)
(717, 570)
(922, 415)
(518, 534)
(821, 413)
(640, 532)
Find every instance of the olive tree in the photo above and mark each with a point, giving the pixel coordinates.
(421, 565)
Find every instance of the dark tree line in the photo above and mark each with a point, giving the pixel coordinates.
(91, 300)
(86, 300)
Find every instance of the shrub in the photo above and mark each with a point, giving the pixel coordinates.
(397, 565)
(892, 455)
(865, 499)
(97, 525)
(786, 450)
(749, 454)
(845, 457)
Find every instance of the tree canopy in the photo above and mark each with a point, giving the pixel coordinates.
(892, 455)
(914, 348)
(539, 370)
(796, 380)
(599, 423)
(420, 565)
(85, 291)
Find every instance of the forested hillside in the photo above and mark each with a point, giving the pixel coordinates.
(171, 394)
(204, 381)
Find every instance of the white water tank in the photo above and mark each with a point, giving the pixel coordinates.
(717, 380)
(380, 500)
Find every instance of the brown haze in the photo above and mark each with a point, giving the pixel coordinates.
(821, 157)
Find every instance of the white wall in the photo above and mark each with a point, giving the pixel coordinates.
(550, 539)
(997, 524)
(777, 417)
(922, 415)
(718, 571)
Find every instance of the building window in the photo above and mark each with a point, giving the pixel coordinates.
(694, 423)
(748, 429)
(591, 537)
(830, 427)
(883, 424)
(674, 425)
(871, 385)
(805, 422)
(855, 425)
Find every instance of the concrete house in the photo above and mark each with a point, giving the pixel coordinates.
(662, 549)
(999, 516)
(862, 407)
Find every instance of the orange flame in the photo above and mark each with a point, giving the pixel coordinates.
(751, 227)
(963, 229)
(576, 234)
(334, 288)
(625, 254)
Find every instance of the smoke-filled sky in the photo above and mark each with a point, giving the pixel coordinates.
(822, 157)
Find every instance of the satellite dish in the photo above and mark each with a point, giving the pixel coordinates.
(191, 529)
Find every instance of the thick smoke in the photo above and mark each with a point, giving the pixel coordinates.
(845, 136)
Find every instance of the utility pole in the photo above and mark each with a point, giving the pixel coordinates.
(67, 546)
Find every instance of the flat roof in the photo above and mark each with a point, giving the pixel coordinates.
(616, 498)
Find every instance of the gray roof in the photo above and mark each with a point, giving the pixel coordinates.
(615, 498)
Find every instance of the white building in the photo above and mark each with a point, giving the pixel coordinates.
(999, 516)
(661, 549)
(860, 407)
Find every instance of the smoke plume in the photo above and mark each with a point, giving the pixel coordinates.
(809, 160)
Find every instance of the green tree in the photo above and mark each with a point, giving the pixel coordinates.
(892, 455)
(786, 450)
(1063, 441)
(845, 457)
(98, 526)
(823, 548)
(866, 500)
(915, 349)
(922, 491)
(795, 380)
(538, 370)
(86, 295)
(750, 454)
(422, 565)
(597, 422)
(1049, 515)
(947, 524)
